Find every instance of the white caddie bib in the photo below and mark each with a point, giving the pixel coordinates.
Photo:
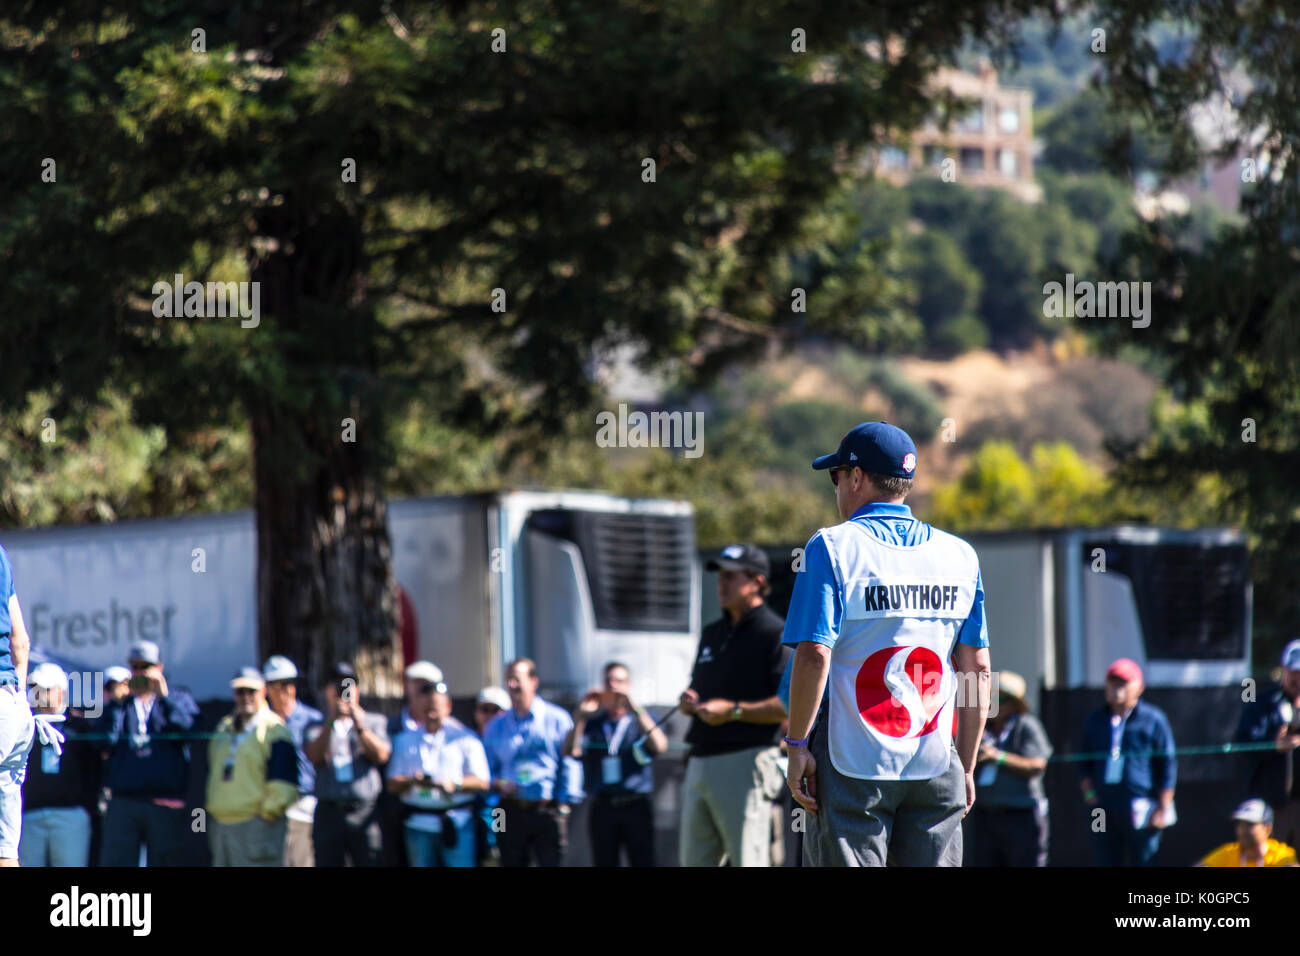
(892, 687)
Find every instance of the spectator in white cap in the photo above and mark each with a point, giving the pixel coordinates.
(1254, 845)
(411, 718)
(144, 736)
(60, 788)
(282, 694)
(116, 681)
(417, 675)
(1274, 717)
(490, 703)
(437, 771)
(252, 779)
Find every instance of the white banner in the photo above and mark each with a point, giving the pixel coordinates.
(186, 584)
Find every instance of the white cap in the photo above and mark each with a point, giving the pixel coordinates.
(117, 674)
(48, 675)
(279, 667)
(1291, 655)
(494, 695)
(426, 671)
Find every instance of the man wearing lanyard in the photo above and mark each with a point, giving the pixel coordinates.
(1132, 782)
(607, 727)
(347, 749)
(887, 617)
(525, 749)
(437, 772)
(282, 696)
(252, 779)
(1010, 823)
(148, 765)
(392, 812)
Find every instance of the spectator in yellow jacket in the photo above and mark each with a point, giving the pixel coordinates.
(1254, 846)
(252, 779)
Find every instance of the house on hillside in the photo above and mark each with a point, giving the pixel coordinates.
(990, 146)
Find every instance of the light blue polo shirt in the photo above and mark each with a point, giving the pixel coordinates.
(815, 607)
(529, 750)
(8, 675)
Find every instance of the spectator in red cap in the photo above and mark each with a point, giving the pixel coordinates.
(1131, 780)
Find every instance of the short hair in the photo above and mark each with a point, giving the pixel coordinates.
(526, 662)
(612, 664)
(890, 485)
(764, 585)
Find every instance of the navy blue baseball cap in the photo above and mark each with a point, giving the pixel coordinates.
(877, 447)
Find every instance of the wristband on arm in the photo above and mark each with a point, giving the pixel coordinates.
(795, 743)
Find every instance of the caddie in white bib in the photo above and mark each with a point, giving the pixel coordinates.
(887, 622)
(892, 687)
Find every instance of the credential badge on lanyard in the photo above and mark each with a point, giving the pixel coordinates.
(1115, 759)
(611, 765)
(341, 752)
(140, 739)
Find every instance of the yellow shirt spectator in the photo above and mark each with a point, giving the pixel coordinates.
(1232, 854)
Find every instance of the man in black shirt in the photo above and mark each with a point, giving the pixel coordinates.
(732, 774)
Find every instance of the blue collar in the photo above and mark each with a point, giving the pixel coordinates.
(873, 509)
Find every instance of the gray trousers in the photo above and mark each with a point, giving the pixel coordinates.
(254, 842)
(884, 822)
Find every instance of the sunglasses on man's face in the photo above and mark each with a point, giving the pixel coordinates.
(439, 688)
(488, 709)
(835, 475)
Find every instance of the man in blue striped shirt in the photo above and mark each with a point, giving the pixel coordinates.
(525, 749)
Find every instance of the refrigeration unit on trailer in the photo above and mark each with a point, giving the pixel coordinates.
(572, 580)
(1061, 605)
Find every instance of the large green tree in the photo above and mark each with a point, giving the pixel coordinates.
(1224, 312)
(502, 157)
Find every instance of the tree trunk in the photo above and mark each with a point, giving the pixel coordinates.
(325, 586)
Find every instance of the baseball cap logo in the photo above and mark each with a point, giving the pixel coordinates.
(909, 462)
(733, 551)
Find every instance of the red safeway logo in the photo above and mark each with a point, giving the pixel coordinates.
(899, 691)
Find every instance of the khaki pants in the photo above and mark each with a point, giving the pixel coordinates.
(297, 844)
(727, 808)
